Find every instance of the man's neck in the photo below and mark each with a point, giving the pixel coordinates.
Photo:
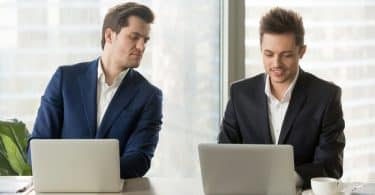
(110, 69)
(278, 89)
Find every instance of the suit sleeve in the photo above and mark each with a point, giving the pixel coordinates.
(229, 130)
(328, 158)
(136, 159)
(50, 113)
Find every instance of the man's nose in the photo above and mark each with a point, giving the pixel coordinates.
(276, 62)
(141, 45)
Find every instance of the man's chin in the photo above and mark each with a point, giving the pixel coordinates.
(133, 65)
(280, 80)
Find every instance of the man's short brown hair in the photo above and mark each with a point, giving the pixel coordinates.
(280, 21)
(117, 17)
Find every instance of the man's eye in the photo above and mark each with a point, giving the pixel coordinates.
(133, 38)
(288, 55)
(268, 54)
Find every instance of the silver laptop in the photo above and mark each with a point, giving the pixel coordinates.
(76, 165)
(247, 169)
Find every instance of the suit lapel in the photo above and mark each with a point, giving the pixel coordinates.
(295, 105)
(263, 114)
(123, 96)
(87, 84)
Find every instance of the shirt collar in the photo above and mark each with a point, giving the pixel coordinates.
(288, 93)
(100, 69)
(101, 75)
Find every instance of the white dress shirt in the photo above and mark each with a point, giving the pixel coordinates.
(106, 92)
(276, 114)
(277, 108)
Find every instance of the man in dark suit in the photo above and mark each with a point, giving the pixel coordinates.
(287, 105)
(107, 98)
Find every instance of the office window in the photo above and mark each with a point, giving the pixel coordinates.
(340, 43)
(182, 58)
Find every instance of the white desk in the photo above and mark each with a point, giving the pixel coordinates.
(153, 186)
(160, 186)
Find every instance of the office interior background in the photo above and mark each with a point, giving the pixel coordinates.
(187, 59)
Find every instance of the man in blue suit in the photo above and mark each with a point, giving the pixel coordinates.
(107, 98)
(287, 105)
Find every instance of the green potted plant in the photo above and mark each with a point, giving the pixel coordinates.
(13, 143)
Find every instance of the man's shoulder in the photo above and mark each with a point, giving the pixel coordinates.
(145, 84)
(78, 67)
(250, 83)
(320, 84)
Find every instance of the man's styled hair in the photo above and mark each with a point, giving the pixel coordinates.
(280, 21)
(117, 17)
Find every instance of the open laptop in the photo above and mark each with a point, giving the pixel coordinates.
(76, 165)
(247, 169)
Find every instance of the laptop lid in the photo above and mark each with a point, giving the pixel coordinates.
(247, 169)
(76, 165)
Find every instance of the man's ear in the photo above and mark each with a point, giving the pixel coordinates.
(302, 51)
(109, 35)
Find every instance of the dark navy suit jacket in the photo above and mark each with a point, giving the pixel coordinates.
(69, 110)
(313, 123)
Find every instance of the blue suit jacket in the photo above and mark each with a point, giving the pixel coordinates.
(313, 123)
(69, 110)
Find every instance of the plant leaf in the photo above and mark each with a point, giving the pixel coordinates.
(17, 132)
(14, 156)
(5, 168)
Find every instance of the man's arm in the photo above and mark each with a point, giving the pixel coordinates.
(49, 117)
(136, 159)
(328, 156)
(229, 130)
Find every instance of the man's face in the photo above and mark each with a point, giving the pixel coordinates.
(280, 57)
(128, 45)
